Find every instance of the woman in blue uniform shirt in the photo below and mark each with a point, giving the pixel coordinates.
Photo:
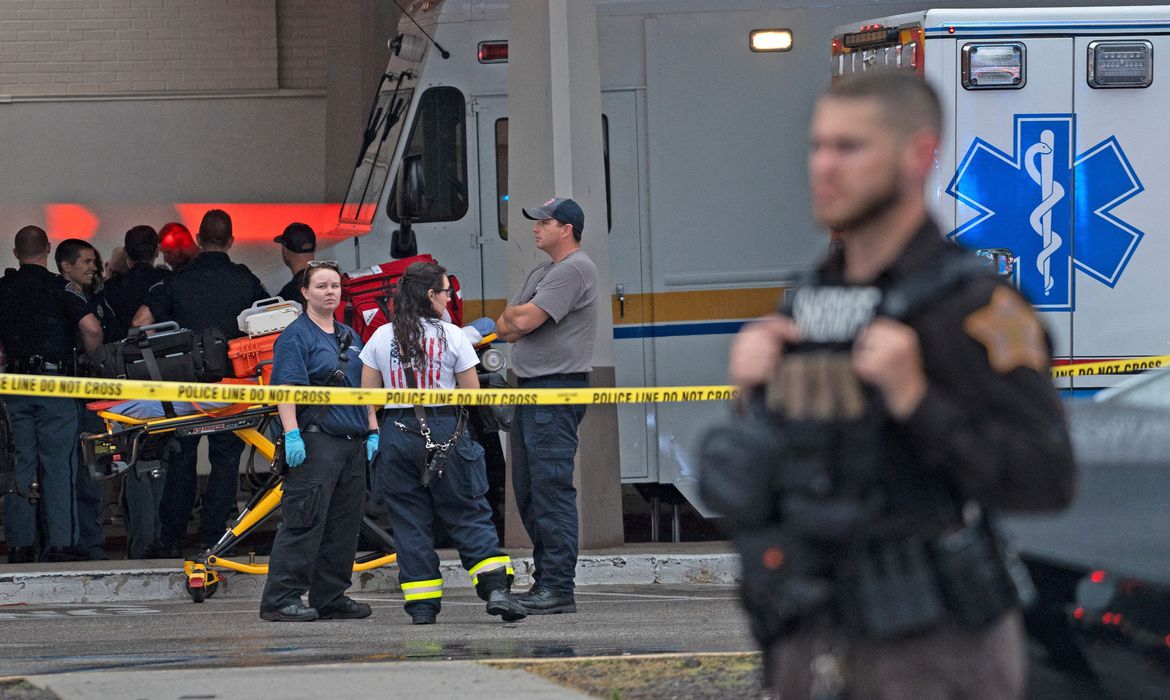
(326, 449)
(419, 349)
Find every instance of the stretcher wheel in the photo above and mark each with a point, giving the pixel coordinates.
(198, 594)
(211, 588)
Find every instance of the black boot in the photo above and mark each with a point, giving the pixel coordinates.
(494, 588)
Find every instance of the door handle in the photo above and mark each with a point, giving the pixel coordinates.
(621, 295)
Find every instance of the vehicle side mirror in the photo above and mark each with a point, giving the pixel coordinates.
(402, 242)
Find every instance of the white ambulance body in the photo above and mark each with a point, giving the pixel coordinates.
(1055, 148)
(708, 207)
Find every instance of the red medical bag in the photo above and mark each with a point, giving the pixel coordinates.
(367, 295)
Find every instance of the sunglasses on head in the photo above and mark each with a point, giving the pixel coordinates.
(331, 264)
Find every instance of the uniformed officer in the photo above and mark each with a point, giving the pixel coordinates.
(326, 450)
(419, 349)
(38, 324)
(176, 244)
(78, 264)
(298, 244)
(208, 292)
(126, 292)
(900, 424)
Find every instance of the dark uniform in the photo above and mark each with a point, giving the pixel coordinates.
(91, 539)
(882, 558)
(128, 291)
(291, 291)
(142, 487)
(38, 324)
(322, 503)
(209, 292)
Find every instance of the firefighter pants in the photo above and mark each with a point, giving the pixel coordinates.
(457, 499)
(321, 513)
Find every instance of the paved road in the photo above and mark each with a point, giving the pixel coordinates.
(226, 632)
(177, 649)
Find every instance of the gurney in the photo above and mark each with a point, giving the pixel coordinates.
(138, 431)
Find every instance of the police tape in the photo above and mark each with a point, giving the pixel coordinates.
(126, 390)
(1129, 365)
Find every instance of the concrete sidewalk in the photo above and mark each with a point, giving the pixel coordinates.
(143, 580)
(375, 681)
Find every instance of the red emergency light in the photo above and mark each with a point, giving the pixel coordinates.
(492, 52)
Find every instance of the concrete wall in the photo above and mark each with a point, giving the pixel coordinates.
(120, 112)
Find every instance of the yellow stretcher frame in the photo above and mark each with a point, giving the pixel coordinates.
(203, 571)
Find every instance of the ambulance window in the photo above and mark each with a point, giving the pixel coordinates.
(433, 174)
(502, 175)
(379, 139)
(994, 66)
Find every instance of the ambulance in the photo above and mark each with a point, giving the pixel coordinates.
(704, 152)
(1053, 153)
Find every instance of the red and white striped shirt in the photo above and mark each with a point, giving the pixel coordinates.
(448, 352)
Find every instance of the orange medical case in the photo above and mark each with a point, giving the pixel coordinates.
(250, 356)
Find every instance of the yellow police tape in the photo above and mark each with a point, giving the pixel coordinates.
(1126, 366)
(122, 389)
(125, 389)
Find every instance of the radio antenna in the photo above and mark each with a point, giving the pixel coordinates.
(443, 52)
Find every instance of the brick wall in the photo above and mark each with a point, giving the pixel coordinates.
(94, 47)
(302, 27)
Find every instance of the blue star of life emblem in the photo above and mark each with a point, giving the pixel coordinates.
(1050, 207)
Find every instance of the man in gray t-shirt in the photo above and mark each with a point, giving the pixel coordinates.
(552, 323)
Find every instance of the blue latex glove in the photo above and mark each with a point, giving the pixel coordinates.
(294, 449)
(484, 325)
(371, 446)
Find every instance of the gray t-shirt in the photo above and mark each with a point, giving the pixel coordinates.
(567, 292)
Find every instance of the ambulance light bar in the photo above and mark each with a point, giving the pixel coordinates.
(1121, 64)
(874, 35)
(769, 40)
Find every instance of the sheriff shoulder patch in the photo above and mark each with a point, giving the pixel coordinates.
(1010, 331)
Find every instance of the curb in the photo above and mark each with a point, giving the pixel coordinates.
(161, 584)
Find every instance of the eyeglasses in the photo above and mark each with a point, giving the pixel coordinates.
(331, 264)
(442, 291)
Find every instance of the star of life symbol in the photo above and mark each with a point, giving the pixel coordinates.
(1050, 207)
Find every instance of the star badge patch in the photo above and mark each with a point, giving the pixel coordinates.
(1010, 331)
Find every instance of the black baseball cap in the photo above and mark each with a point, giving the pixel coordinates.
(562, 209)
(298, 238)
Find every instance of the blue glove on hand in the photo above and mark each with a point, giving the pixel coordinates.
(294, 449)
(371, 446)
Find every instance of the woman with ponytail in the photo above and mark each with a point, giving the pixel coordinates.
(427, 466)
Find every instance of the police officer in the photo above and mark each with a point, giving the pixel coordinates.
(298, 244)
(38, 324)
(903, 419)
(207, 293)
(326, 450)
(126, 293)
(428, 467)
(78, 263)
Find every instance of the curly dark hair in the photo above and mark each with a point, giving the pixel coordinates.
(413, 308)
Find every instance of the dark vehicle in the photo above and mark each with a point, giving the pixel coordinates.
(1102, 567)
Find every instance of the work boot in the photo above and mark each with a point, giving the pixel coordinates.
(293, 612)
(346, 609)
(502, 604)
(544, 601)
(422, 619)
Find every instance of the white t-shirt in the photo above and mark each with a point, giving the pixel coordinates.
(448, 353)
